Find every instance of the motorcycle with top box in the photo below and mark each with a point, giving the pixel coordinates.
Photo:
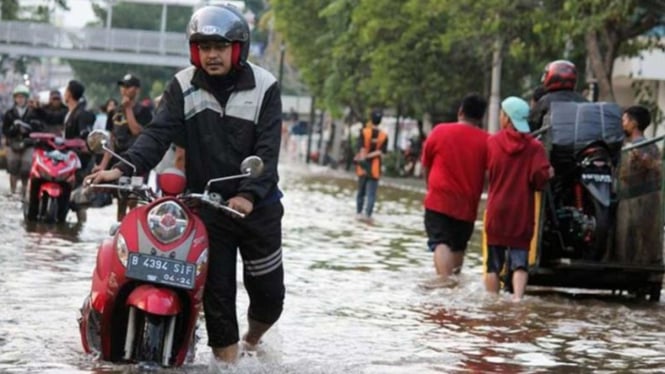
(599, 223)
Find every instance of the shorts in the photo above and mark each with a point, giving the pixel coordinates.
(19, 163)
(518, 258)
(443, 229)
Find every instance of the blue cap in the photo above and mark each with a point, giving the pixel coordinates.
(518, 111)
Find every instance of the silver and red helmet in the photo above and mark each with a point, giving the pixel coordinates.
(559, 75)
(219, 23)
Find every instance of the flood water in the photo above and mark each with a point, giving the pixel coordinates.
(359, 300)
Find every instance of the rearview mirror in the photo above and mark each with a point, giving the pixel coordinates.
(252, 165)
(97, 140)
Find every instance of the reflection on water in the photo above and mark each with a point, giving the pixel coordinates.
(360, 299)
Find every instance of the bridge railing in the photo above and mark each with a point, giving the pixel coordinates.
(125, 40)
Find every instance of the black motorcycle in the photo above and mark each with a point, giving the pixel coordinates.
(577, 215)
(579, 204)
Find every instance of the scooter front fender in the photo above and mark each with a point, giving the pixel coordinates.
(50, 188)
(155, 300)
(102, 275)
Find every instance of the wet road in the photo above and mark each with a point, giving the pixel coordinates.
(359, 300)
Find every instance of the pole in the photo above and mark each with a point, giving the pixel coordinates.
(310, 128)
(398, 160)
(282, 49)
(162, 28)
(495, 89)
(321, 144)
(109, 15)
(396, 135)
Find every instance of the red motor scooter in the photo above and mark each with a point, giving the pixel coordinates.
(52, 177)
(147, 286)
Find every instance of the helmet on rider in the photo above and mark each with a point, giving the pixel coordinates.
(21, 90)
(559, 75)
(219, 23)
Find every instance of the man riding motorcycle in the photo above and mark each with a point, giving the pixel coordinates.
(559, 80)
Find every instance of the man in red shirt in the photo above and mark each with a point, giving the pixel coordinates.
(518, 166)
(454, 160)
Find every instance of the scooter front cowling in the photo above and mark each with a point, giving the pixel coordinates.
(155, 300)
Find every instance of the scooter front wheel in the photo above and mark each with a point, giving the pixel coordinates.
(50, 209)
(31, 206)
(149, 346)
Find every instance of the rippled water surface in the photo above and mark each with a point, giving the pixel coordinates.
(360, 299)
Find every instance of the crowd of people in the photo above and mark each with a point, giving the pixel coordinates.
(223, 108)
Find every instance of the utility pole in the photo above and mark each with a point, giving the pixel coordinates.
(282, 50)
(310, 128)
(109, 14)
(162, 28)
(109, 17)
(495, 89)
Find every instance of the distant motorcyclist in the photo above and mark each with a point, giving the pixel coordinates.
(18, 122)
(559, 80)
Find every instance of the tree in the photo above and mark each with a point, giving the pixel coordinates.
(423, 55)
(609, 29)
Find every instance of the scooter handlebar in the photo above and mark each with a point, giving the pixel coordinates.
(214, 200)
(144, 191)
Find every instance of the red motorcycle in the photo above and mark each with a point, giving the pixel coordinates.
(147, 286)
(52, 176)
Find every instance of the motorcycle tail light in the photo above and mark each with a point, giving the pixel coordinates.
(201, 262)
(167, 221)
(121, 249)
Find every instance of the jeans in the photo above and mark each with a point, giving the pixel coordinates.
(366, 186)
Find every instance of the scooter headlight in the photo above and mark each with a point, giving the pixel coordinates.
(121, 249)
(201, 262)
(167, 221)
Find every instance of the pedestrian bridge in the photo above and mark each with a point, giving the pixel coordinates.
(94, 44)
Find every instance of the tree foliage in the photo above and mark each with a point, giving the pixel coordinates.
(608, 27)
(423, 55)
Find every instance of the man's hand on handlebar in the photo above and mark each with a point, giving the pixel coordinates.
(103, 176)
(240, 204)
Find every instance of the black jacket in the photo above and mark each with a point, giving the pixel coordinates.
(79, 123)
(219, 122)
(15, 133)
(53, 117)
(542, 107)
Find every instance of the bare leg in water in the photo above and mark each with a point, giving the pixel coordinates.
(253, 336)
(446, 261)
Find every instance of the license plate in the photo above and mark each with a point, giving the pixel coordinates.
(600, 178)
(161, 270)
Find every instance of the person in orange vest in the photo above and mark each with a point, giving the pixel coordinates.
(372, 144)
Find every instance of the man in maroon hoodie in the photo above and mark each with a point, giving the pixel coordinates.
(517, 166)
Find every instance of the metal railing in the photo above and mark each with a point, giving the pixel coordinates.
(120, 40)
